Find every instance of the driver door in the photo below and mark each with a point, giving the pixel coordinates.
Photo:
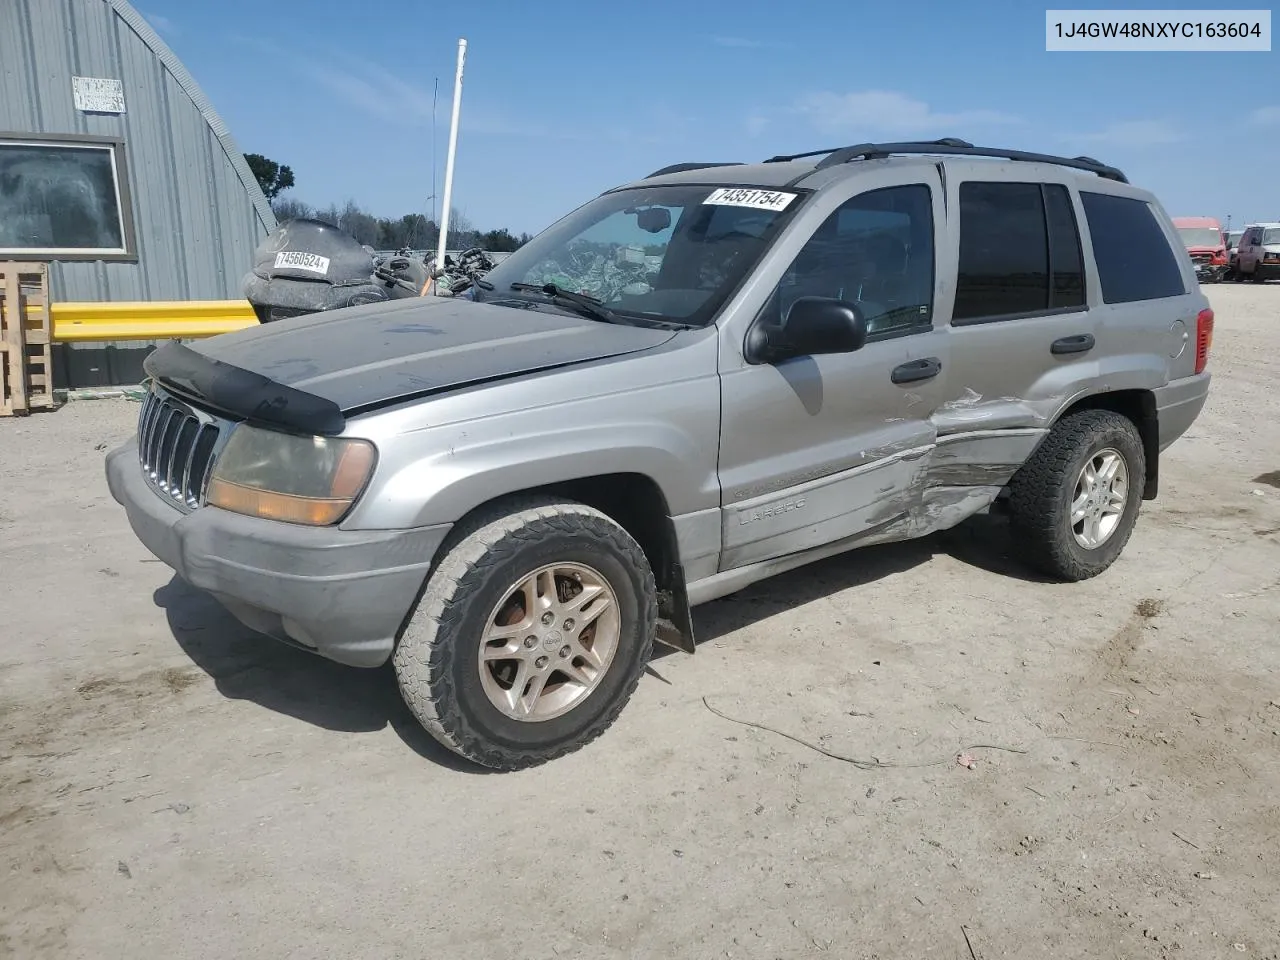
(819, 449)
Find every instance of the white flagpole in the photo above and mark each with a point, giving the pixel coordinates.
(453, 146)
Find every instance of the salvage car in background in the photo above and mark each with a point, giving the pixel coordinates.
(1259, 256)
(1233, 251)
(694, 381)
(1207, 244)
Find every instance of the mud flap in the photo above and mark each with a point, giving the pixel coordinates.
(675, 617)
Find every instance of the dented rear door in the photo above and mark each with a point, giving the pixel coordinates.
(1023, 338)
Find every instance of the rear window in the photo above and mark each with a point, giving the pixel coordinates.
(1135, 261)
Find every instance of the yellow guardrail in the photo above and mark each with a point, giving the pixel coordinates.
(80, 322)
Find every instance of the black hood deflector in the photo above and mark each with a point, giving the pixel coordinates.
(241, 394)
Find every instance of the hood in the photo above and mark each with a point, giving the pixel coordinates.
(376, 354)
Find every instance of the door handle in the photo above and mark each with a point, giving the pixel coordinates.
(917, 370)
(1080, 343)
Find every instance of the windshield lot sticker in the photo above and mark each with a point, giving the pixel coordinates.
(757, 199)
(298, 260)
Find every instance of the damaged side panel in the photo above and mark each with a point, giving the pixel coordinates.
(982, 457)
(830, 508)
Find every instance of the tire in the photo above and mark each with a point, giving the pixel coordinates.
(462, 701)
(1042, 492)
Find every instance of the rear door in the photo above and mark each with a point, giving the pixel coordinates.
(1022, 334)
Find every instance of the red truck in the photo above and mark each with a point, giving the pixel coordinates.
(1207, 243)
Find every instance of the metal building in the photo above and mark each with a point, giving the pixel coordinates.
(114, 166)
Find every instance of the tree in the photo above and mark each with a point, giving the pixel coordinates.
(271, 176)
(415, 231)
(500, 241)
(289, 209)
(351, 219)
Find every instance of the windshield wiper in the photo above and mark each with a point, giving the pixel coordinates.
(585, 304)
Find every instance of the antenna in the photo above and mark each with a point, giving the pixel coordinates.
(435, 94)
(453, 149)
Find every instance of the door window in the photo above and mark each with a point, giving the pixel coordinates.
(1019, 252)
(875, 251)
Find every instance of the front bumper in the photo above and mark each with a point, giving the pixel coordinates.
(1210, 272)
(343, 594)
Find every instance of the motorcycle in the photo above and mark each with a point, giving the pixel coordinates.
(309, 266)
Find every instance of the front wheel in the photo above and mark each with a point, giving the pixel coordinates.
(531, 636)
(1074, 503)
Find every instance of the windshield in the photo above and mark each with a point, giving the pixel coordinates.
(1271, 236)
(1233, 238)
(671, 253)
(1200, 236)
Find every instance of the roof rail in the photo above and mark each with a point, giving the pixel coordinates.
(682, 167)
(951, 146)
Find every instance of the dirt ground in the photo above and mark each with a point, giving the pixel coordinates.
(173, 786)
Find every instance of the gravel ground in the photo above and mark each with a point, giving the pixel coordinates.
(174, 786)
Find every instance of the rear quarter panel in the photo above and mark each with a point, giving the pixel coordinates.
(1149, 343)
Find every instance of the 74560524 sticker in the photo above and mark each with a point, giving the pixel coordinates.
(751, 197)
(301, 260)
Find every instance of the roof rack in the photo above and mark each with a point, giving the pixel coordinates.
(950, 146)
(682, 167)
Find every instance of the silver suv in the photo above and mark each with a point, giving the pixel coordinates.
(692, 382)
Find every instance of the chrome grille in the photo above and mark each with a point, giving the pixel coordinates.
(176, 445)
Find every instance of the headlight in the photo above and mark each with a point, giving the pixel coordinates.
(278, 476)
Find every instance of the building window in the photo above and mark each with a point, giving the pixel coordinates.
(64, 198)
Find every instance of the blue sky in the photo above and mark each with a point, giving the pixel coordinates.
(565, 98)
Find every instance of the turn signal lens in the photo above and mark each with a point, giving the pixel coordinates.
(279, 476)
(1204, 338)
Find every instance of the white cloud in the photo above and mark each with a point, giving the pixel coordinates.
(161, 24)
(378, 93)
(855, 114)
(1131, 133)
(1265, 116)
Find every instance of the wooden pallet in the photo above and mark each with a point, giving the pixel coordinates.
(26, 339)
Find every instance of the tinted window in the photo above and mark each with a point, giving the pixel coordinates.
(1066, 287)
(1004, 254)
(876, 250)
(59, 198)
(1135, 261)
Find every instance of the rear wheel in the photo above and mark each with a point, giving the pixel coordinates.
(1074, 503)
(531, 636)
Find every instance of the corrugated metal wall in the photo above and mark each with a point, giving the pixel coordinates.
(198, 213)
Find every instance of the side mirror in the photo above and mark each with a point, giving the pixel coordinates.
(812, 326)
(816, 325)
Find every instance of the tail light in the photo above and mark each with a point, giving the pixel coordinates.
(1204, 338)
